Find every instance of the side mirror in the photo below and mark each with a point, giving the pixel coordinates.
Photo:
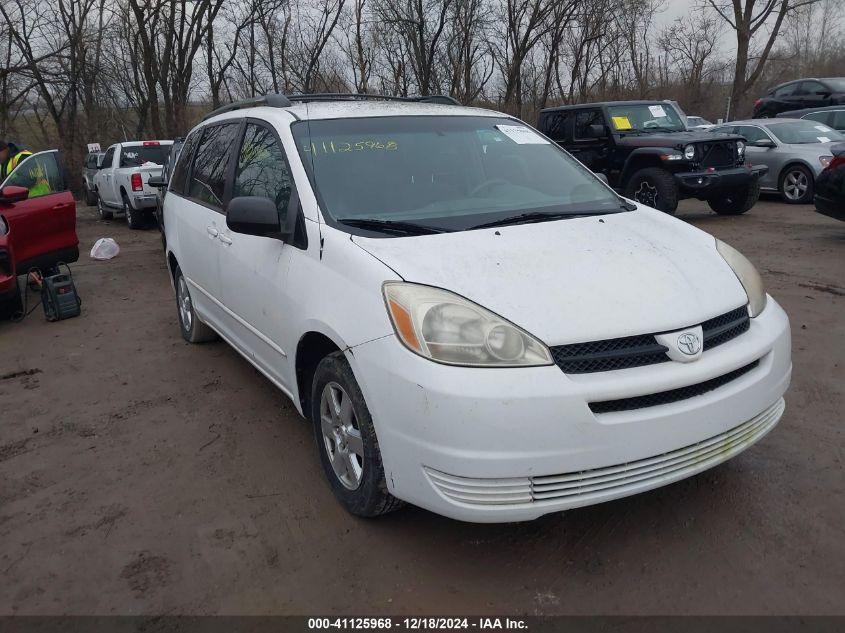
(255, 215)
(764, 142)
(603, 178)
(12, 193)
(157, 181)
(596, 130)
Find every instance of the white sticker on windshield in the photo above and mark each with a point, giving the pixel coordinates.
(657, 111)
(522, 135)
(822, 128)
(823, 139)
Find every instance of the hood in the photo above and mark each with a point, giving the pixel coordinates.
(576, 280)
(676, 140)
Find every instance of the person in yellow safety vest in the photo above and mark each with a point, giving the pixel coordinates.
(10, 156)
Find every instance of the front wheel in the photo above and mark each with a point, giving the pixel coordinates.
(736, 202)
(654, 187)
(796, 185)
(346, 439)
(90, 197)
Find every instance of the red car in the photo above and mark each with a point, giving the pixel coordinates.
(38, 227)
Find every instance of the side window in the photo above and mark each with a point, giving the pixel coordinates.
(208, 176)
(39, 173)
(821, 117)
(785, 91)
(811, 88)
(839, 120)
(583, 120)
(751, 133)
(554, 125)
(263, 169)
(180, 170)
(109, 157)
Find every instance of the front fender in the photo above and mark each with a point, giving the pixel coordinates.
(643, 157)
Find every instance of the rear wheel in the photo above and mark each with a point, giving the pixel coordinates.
(134, 218)
(346, 439)
(655, 188)
(102, 210)
(90, 197)
(193, 330)
(796, 185)
(736, 202)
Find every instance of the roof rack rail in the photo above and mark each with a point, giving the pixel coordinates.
(273, 100)
(352, 96)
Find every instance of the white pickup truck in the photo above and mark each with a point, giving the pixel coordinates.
(121, 181)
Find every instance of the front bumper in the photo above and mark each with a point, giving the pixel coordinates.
(497, 445)
(706, 183)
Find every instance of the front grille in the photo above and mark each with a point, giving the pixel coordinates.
(639, 351)
(578, 488)
(673, 395)
(725, 327)
(717, 154)
(610, 354)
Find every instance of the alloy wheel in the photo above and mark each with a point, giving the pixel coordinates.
(341, 435)
(646, 194)
(183, 298)
(795, 185)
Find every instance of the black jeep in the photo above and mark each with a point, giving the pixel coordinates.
(648, 155)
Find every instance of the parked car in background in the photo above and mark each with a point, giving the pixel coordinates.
(833, 116)
(121, 182)
(799, 94)
(89, 170)
(830, 186)
(647, 154)
(39, 220)
(795, 151)
(159, 183)
(698, 123)
(430, 285)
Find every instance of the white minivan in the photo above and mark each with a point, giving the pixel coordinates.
(473, 322)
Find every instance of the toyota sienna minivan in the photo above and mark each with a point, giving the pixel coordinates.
(472, 321)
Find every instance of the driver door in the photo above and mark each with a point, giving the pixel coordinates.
(586, 147)
(42, 227)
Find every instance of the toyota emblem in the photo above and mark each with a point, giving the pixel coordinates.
(689, 344)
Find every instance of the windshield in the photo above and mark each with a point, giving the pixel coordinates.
(804, 132)
(837, 84)
(645, 117)
(137, 155)
(448, 173)
(697, 120)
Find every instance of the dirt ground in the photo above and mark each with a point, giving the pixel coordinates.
(143, 475)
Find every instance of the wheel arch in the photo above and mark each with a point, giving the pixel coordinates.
(641, 159)
(313, 346)
(796, 162)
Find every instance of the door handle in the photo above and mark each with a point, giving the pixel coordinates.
(212, 231)
(224, 239)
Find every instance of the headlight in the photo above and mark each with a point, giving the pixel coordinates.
(825, 161)
(747, 275)
(740, 149)
(447, 328)
(689, 152)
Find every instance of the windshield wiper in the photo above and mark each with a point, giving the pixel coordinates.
(534, 216)
(390, 226)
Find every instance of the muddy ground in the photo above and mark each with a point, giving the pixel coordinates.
(140, 474)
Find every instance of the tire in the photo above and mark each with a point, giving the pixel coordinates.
(134, 218)
(797, 185)
(655, 188)
(90, 197)
(102, 210)
(346, 440)
(193, 330)
(737, 202)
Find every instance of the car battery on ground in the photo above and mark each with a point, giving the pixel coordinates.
(59, 297)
